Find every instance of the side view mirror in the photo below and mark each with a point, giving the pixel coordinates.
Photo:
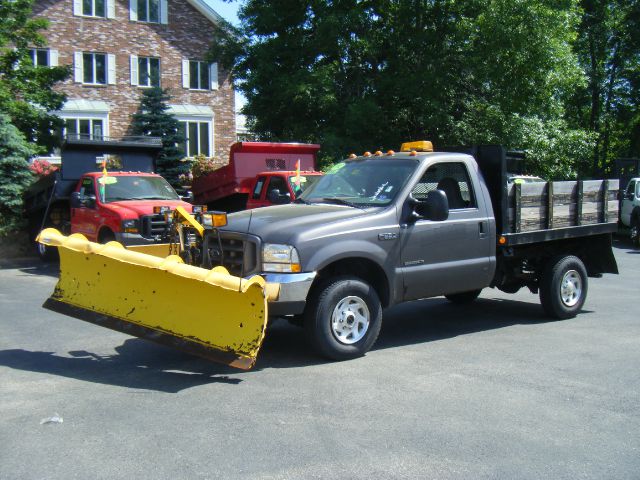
(278, 198)
(188, 197)
(78, 200)
(435, 207)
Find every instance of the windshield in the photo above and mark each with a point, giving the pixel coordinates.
(372, 182)
(305, 182)
(137, 188)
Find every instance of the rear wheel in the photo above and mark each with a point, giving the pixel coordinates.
(343, 318)
(463, 298)
(563, 287)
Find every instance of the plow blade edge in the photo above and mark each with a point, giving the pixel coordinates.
(209, 313)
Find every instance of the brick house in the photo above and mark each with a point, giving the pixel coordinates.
(117, 48)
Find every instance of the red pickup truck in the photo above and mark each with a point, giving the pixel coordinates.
(123, 209)
(255, 170)
(75, 199)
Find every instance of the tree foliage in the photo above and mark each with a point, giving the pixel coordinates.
(15, 175)
(608, 48)
(152, 119)
(356, 75)
(26, 93)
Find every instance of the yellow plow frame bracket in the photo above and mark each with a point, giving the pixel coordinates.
(209, 313)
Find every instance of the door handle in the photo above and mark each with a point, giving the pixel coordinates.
(482, 229)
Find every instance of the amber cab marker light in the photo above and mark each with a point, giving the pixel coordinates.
(366, 154)
(352, 155)
(502, 240)
(391, 152)
(413, 153)
(378, 153)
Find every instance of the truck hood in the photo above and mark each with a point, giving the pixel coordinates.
(278, 224)
(135, 208)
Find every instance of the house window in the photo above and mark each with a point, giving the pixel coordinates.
(197, 138)
(39, 57)
(148, 72)
(149, 11)
(198, 75)
(94, 8)
(83, 128)
(94, 67)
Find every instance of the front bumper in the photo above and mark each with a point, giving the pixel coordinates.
(294, 288)
(134, 239)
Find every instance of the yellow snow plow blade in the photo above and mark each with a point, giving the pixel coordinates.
(206, 312)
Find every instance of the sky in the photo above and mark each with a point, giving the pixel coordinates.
(227, 10)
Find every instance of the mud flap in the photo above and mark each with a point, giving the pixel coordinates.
(209, 313)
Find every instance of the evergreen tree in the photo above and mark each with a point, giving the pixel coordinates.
(153, 120)
(26, 94)
(15, 175)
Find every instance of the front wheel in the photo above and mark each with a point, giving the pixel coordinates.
(563, 287)
(634, 231)
(343, 318)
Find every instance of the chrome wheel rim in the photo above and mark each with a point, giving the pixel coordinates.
(350, 320)
(571, 288)
(634, 232)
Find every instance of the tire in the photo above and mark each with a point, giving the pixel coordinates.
(634, 231)
(106, 236)
(343, 318)
(463, 298)
(46, 254)
(563, 287)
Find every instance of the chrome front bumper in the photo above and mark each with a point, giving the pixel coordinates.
(294, 288)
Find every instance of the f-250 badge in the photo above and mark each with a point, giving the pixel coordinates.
(387, 236)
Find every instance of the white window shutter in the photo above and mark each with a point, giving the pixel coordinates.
(111, 69)
(53, 58)
(133, 10)
(77, 7)
(164, 12)
(185, 73)
(134, 70)
(77, 67)
(213, 76)
(111, 8)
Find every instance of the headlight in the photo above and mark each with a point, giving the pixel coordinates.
(280, 258)
(130, 226)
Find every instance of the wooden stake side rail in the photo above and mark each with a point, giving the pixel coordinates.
(558, 205)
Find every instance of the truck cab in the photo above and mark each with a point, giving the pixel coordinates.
(122, 208)
(271, 188)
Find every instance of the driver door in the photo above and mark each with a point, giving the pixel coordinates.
(84, 219)
(453, 255)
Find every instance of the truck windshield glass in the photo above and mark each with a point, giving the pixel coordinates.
(361, 183)
(139, 188)
(305, 182)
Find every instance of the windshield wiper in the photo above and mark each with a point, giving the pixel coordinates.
(340, 201)
(151, 197)
(301, 200)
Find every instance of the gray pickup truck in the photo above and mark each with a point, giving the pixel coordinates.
(382, 229)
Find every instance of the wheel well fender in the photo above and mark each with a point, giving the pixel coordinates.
(363, 268)
(104, 231)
